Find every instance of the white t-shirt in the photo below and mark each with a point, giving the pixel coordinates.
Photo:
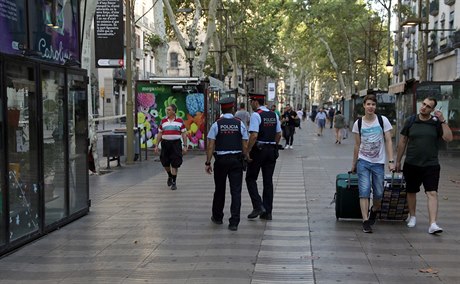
(299, 114)
(372, 148)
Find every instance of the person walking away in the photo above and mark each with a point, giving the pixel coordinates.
(304, 114)
(372, 138)
(339, 124)
(320, 120)
(330, 115)
(264, 137)
(227, 142)
(170, 131)
(243, 115)
(299, 116)
(288, 118)
(420, 139)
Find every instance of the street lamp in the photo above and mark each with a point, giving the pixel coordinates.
(389, 68)
(356, 86)
(190, 56)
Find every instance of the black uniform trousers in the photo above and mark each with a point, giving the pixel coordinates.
(230, 166)
(263, 157)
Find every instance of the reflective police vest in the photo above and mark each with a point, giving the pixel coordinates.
(267, 127)
(228, 135)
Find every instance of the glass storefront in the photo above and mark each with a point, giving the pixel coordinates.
(43, 138)
(22, 153)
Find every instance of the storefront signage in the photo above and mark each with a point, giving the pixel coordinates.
(54, 31)
(13, 29)
(108, 23)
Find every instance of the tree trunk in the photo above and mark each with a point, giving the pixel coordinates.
(333, 63)
(161, 53)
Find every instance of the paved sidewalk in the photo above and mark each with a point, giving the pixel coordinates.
(139, 231)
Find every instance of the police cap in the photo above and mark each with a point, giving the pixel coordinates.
(254, 96)
(227, 102)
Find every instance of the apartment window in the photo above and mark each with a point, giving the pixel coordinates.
(138, 40)
(174, 60)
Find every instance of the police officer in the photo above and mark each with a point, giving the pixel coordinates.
(264, 136)
(227, 142)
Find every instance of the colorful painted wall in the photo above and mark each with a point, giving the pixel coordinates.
(151, 103)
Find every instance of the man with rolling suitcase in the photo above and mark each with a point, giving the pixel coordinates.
(372, 140)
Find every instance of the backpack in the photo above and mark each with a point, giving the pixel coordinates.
(379, 117)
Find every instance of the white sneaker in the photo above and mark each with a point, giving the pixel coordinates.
(434, 229)
(412, 222)
(290, 147)
(286, 147)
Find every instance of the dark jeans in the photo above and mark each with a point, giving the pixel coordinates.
(289, 134)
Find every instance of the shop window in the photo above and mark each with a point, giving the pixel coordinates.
(23, 186)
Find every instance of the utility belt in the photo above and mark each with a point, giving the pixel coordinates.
(226, 156)
(261, 146)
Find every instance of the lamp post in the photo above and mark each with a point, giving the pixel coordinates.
(190, 56)
(389, 69)
(356, 86)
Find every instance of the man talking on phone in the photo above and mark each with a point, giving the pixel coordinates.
(420, 136)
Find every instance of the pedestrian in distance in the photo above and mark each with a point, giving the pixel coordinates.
(339, 124)
(420, 137)
(287, 118)
(264, 137)
(170, 132)
(372, 140)
(243, 114)
(299, 116)
(227, 142)
(330, 115)
(320, 120)
(274, 109)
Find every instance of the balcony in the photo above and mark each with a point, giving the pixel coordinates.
(432, 50)
(408, 63)
(449, 2)
(434, 8)
(443, 42)
(447, 46)
(456, 39)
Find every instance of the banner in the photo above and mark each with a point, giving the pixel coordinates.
(109, 31)
(271, 92)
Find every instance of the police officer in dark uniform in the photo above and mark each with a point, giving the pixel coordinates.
(264, 137)
(227, 142)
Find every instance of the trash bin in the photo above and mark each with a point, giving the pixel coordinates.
(113, 148)
(136, 144)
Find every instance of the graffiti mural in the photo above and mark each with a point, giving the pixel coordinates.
(151, 102)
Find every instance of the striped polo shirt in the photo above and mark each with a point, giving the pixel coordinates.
(171, 129)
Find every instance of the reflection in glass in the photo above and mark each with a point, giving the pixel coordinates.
(2, 163)
(78, 129)
(53, 145)
(22, 183)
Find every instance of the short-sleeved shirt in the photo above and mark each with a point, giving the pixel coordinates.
(372, 148)
(212, 134)
(244, 116)
(256, 120)
(339, 121)
(171, 129)
(423, 144)
(321, 115)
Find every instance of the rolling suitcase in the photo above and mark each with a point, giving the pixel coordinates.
(347, 197)
(394, 200)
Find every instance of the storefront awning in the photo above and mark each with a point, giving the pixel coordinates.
(397, 88)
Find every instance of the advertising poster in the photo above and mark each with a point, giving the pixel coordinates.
(271, 92)
(108, 33)
(151, 103)
(54, 31)
(13, 29)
